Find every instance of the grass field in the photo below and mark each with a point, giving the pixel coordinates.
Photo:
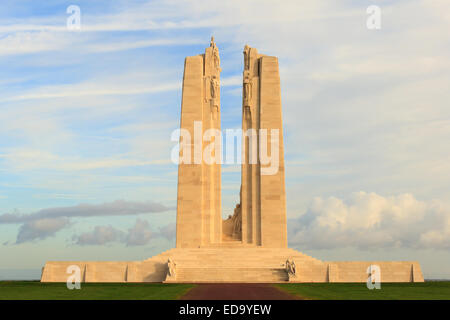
(34, 290)
(358, 291)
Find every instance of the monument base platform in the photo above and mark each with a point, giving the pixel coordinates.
(231, 264)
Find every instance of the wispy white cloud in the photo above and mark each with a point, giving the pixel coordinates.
(31, 42)
(35, 159)
(127, 45)
(80, 90)
(91, 88)
(231, 81)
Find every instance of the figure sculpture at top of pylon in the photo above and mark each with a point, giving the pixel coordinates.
(216, 56)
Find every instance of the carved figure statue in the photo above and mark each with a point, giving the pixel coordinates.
(215, 52)
(171, 267)
(237, 220)
(247, 113)
(246, 57)
(247, 88)
(214, 87)
(216, 58)
(247, 95)
(290, 267)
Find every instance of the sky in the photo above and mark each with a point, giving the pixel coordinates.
(86, 118)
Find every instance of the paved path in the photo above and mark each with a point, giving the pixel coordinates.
(237, 291)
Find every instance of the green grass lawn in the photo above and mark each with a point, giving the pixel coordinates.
(358, 291)
(34, 290)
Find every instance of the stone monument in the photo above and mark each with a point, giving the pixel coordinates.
(251, 245)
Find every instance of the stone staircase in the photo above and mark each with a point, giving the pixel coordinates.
(230, 274)
(233, 264)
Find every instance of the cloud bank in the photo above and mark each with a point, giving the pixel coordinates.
(101, 235)
(138, 235)
(46, 222)
(40, 229)
(368, 220)
(115, 208)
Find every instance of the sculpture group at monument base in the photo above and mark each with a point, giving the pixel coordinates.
(232, 264)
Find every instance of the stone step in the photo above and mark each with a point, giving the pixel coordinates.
(231, 274)
(235, 257)
(237, 262)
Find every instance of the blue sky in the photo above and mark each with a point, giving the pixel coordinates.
(86, 118)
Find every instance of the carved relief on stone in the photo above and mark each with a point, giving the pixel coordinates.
(247, 93)
(206, 92)
(215, 87)
(247, 89)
